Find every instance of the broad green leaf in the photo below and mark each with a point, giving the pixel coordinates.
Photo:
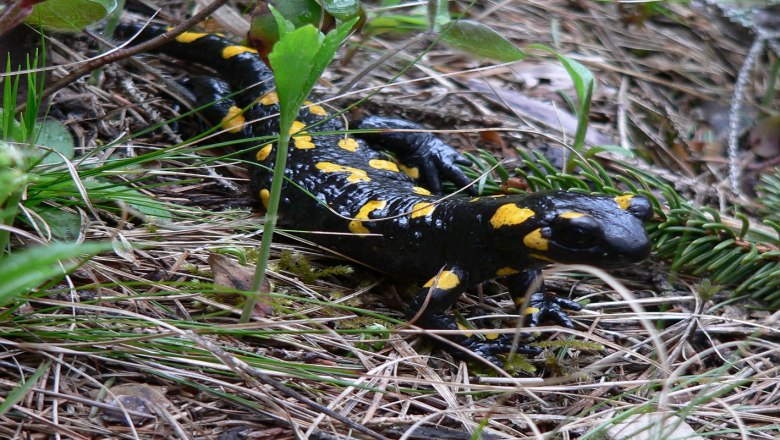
(616, 149)
(343, 10)
(64, 224)
(28, 269)
(70, 15)
(52, 134)
(480, 40)
(438, 14)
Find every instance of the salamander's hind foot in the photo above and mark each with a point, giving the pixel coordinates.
(550, 308)
(489, 348)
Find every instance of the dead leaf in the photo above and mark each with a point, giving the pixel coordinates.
(228, 273)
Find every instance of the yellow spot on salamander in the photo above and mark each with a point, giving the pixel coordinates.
(422, 209)
(380, 164)
(301, 138)
(189, 37)
(534, 240)
(231, 51)
(264, 152)
(269, 98)
(447, 280)
(510, 215)
(624, 201)
(356, 225)
(265, 195)
(475, 199)
(349, 144)
(466, 331)
(572, 214)
(542, 258)
(504, 271)
(412, 172)
(421, 191)
(355, 174)
(530, 310)
(234, 121)
(315, 109)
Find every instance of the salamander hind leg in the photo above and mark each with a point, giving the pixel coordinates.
(431, 305)
(542, 307)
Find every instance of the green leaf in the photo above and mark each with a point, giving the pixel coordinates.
(438, 14)
(480, 40)
(70, 15)
(343, 10)
(28, 269)
(53, 134)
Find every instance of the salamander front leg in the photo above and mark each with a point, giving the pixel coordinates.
(542, 307)
(418, 150)
(441, 292)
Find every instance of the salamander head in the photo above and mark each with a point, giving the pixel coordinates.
(574, 228)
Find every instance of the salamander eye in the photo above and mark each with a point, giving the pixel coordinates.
(641, 208)
(578, 232)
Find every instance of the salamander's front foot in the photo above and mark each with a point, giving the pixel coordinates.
(550, 308)
(489, 348)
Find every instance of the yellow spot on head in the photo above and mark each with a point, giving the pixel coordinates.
(349, 144)
(264, 152)
(380, 164)
(269, 98)
(571, 214)
(231, 51)
(421, 191)
(355, 175)
(504, 271)
(265, 195)
(189, 37)
(315, 109)
(234, 121)
(356, 226)
(412, 172)
(446, 280)
(510, 215)
(624, 201)
(422, 209)
(534, 240)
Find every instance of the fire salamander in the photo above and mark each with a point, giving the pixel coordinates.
(386, 213)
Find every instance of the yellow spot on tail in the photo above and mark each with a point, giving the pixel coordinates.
(422, 209)
(412, 172)
(231, 51)
(504, 271)
(447, 280)
(301, 138)
(530, 310)
(534, 240)
(265, 195)
(380, 164)
(349, 144)
(263, 153)
(315, 109)
(510, 215)
(269, 98)
(421, 191)
(234, 121)
(189, 37)
(624, 201)
(355, 175)
(572, 214)
(356, 226)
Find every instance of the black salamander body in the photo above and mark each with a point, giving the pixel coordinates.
(386, 214)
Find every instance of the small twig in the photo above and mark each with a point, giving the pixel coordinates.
(735, 113)
(120, 54)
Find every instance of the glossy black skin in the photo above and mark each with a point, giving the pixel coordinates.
(456, 237)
